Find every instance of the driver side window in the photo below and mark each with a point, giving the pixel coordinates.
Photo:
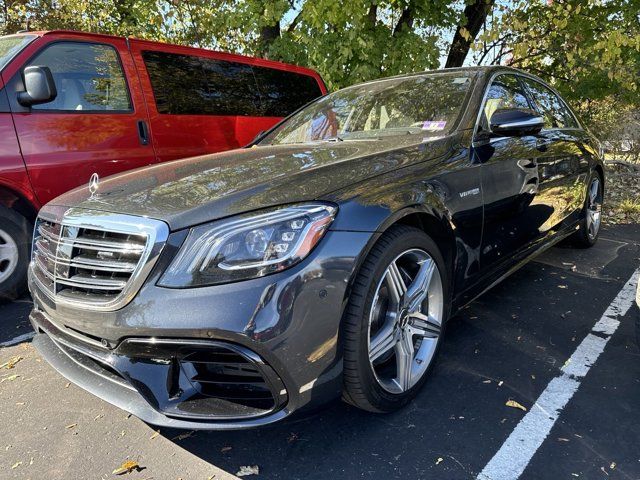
(505, 92)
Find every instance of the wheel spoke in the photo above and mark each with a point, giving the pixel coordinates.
(5, 252)
(404, 361)
(593, 192)
(397, 287)
(383, 341)
(424, 325)
(419, 288)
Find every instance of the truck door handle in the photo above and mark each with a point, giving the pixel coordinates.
(143, 132)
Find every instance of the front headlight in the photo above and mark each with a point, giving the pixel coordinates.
(248, 246)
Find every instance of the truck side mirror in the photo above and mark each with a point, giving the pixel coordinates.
(38, 85)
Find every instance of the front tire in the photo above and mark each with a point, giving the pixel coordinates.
(15, 242)
(394, 321)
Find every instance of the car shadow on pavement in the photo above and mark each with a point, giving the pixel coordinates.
(14, 319)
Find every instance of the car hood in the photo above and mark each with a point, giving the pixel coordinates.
(195, 190)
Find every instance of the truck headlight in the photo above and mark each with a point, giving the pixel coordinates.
(248, 246)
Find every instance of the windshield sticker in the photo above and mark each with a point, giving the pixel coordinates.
(434, 126)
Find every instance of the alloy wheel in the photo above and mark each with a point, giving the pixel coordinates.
(594, 208)
(405, 321)
(8, 255)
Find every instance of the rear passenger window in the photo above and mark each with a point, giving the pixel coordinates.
(232, 88)
(178, 83)
(505, 92)
(284, 92)
(555, 112)
(88, 78)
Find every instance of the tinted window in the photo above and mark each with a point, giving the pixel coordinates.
(555, 112)
(189, 85)
(505, 92)
(178, 83)
(284, 92)
(231, 87)
(88, 77)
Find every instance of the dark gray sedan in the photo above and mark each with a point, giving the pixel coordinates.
(324, 260)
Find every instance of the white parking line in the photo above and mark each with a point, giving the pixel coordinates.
(18, 339)
(516, 452)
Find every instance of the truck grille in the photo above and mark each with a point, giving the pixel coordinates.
(91, 265)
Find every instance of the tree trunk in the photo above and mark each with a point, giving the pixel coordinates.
(268, 34)
(475, 15)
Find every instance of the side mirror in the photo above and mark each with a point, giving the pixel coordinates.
(515, 122)
(38, 85)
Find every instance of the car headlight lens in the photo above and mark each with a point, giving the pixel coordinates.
(248, 246)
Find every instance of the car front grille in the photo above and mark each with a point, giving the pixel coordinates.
(94, 261)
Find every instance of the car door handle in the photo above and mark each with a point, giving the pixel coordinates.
(143, 132)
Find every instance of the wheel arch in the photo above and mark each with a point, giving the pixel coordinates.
(19, 203)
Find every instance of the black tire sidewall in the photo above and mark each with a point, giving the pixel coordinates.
(19, 229)
(394, 242)
(581, 237)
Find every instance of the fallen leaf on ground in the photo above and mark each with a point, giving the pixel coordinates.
(562, 439)
(246, 470)
(16, 465)
(613, 465)
(514, 404)
(486, 381)
(155, 434)
(500, 383)
(182, 436)
(10, 378)
(225, 449)
(127, 467)
(440, 459)
(97, 417)
(11, 363)
(68, 427)
(604, 471)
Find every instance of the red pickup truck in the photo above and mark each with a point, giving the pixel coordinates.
(73, 104)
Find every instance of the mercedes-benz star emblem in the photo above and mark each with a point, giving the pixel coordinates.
(94, 184)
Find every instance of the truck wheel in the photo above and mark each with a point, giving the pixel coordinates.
(15, 247)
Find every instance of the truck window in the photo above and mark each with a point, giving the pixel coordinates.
(88, 77)
(284, 92)
(190, 85)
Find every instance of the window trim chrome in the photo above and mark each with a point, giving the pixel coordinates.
(156, 233)
(517, 73)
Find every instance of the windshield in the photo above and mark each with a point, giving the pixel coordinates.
(11, 45)
(428, 104)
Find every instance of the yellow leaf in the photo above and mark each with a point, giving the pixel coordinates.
(11, 363)
(127, 467)
(69, 427)
(514, 404)
(157, 432)
(465, 34)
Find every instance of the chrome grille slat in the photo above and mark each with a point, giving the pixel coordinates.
(94, 262)
(103, 245)
(94, 283)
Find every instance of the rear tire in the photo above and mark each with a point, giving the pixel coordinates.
(15, 247)
(589, 230)
(391, 340)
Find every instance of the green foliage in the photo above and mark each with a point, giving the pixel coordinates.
(588, 49)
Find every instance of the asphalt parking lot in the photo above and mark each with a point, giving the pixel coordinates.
(507, 345)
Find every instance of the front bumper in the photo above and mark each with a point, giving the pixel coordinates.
(283, 330)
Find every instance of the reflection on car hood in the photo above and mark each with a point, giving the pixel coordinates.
(195, 190)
